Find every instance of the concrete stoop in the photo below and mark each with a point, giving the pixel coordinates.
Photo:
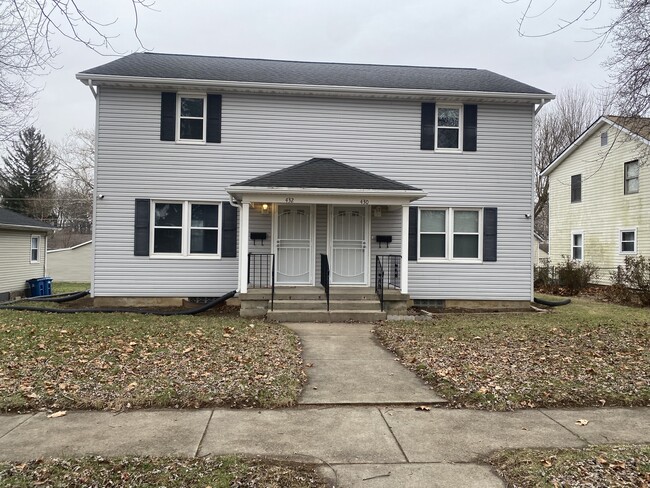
(309, 304)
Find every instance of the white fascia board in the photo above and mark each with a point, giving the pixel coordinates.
(575, 144)
(308, 89)
(28, 228)
(323, 195)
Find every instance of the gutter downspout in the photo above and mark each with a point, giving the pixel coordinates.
(92, 88)
(237, 204)
(542, 103)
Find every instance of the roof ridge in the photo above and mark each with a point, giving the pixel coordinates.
(308, 62)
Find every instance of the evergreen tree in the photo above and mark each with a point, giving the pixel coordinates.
(27, 181)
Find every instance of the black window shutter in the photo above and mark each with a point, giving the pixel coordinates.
(413, 233)
(141, 232)
(168, 116)
(428, 126)
(469, 127)
(489, 234)
(228, 230)
(213, 125)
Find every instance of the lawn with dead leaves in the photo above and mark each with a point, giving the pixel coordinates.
(217, 472)
(118, 361)
(583, 354)
(590, 467)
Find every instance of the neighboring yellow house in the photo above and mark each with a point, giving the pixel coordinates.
(599, 195)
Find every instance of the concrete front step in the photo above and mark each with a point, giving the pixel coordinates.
(358, 305)
(325, 316)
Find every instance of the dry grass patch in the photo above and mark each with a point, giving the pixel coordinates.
(590, 467)
(583, 354)
(117, 361)
(217, 472)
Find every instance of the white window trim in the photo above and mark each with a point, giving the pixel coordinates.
(620, 241)
(461, 116)
(202, 96)
(575, 233)
(185, 230)
(449, 235)
(38, 249)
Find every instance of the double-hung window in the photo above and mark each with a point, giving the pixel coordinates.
(628, 241)
(35, 243)
(577, 246)
(631, 177)
(576, 188)
(449, 234)
(449, 127)
(185, 229)
(191, 110)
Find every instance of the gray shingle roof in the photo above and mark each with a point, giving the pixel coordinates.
(325, 173)
(158, 65)
(14, 219)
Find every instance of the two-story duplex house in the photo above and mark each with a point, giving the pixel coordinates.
(216, 174)
(599, 197)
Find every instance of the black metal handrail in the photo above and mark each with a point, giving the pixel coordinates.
(379, 281)
(325, 277)
(391, 264)
(261, 272)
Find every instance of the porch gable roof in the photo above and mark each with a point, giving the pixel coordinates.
(326, 173)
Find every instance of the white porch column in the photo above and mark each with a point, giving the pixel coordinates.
(404, 278)
(243, 247)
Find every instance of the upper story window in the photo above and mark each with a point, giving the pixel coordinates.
(449, 234)
(185, 229)
(449, 127)
(35, 244)
(631, 177)
(577, 247)
(190, 118)
(191, 112)
(576, 188)
(603, 138)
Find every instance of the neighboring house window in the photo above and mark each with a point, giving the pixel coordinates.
(628, 241)
(191, 112)
(449, 234)
(576, 188)
(603, 138)
(631, 177)
(35, 241)
(577, 247)
(185, 229)
(448, 126)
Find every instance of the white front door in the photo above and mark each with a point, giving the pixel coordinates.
(294, 245)
(348, 248)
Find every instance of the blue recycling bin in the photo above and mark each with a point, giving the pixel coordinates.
(40, 287)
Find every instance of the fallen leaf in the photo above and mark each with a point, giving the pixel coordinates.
(423, 408)
(582, 422)
(185, 351)
(58, 414)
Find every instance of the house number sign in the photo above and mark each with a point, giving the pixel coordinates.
(289, 200)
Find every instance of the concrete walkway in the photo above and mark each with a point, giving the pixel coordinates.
(347, 366)
(395, 446)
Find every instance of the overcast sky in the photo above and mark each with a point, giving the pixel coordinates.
(457, 33)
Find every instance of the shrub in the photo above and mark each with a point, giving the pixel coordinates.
(635, 277)
(574, 276)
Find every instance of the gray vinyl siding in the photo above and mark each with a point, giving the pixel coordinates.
(15, 257)
(264, 133)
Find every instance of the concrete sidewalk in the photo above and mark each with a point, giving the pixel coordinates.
(349, 367)
(395, 446)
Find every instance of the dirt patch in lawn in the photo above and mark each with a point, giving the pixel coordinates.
(590, 467)
(216, 472)
(118, 361)
(584, 354)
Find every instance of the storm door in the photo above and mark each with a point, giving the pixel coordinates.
(349, 245)
(294, 245)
